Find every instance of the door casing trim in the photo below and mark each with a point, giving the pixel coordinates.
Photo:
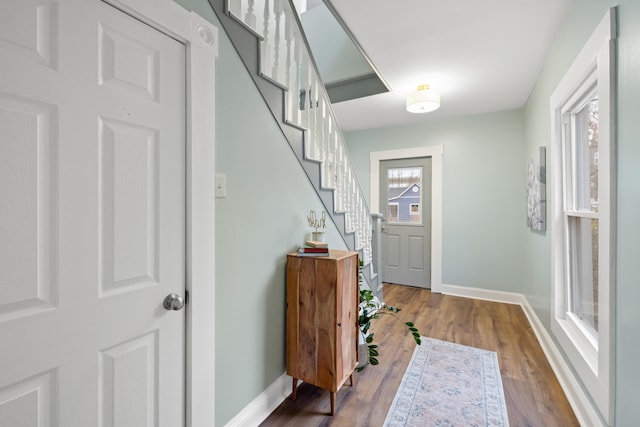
(435, 152)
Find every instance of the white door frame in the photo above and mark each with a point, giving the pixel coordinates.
(435, 152)
(201, 40)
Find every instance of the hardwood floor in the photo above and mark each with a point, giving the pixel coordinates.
(532, 393)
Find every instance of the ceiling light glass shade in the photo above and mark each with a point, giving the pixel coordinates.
(423, 100)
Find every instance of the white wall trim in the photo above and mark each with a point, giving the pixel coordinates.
(201, 40)
(436, 153)
(585, 410)
(259, 408)
(483, 294)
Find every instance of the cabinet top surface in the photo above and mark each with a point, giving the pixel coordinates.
(333, 254)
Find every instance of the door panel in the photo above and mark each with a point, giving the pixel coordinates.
(129, 206)
(92, 234)
(127, 63)
(128, 382)
(405, 200)
(27, 187)
(29, 31)
(416, 261)
(392, 251)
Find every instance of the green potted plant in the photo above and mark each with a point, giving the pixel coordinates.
(370, 309)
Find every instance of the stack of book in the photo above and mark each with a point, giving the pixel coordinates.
(314, 248)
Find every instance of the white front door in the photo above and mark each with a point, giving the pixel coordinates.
(92, 217)
(405, 202)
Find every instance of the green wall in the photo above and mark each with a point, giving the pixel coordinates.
(582, 21)
(262, 219)
(483, 192)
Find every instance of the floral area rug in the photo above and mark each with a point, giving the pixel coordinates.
(449, 384)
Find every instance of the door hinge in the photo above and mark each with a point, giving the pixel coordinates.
(186, 297)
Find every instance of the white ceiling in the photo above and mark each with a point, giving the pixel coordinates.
(482, 55)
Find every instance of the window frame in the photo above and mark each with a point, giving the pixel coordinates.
(591, 357)
(581, 97)
(397, 207)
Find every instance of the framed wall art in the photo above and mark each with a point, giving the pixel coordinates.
(536, 191)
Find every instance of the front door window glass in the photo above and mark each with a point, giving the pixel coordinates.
(404, 195)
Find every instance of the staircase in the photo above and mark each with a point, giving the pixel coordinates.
(268, 36)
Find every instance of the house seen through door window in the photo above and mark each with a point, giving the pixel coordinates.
(405, 196)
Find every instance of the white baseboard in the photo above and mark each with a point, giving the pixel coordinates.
(259, 408)
(483, 294)
(585, 410)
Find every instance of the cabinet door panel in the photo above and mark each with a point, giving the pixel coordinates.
(325, 283)
(347, 331)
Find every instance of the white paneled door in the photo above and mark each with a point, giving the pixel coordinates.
(92, 218)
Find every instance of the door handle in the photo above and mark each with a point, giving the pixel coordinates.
(173, 302)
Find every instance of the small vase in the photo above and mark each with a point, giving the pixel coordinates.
(317, 236)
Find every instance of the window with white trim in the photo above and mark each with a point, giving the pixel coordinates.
(581, 215)
(582, 226)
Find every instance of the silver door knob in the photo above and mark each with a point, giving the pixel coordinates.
(173, 302)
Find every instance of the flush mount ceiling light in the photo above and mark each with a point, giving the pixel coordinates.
(423, 100)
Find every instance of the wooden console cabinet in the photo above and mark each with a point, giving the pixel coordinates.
(322, 320)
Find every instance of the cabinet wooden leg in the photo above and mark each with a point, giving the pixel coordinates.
(332, 396)
(351, 380)
(294, 388)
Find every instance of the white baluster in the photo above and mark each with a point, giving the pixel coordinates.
(312, 119)
(277, 13)
(310, 134)
(265, 44)
(250, 16)
(339, 193)
(331, 160)
(296, 88)
(305, 85)
(289, 24)
(316, 115)
(235, 8)
(350, 202)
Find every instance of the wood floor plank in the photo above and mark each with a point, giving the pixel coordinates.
(521, 404)
(532, 393)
